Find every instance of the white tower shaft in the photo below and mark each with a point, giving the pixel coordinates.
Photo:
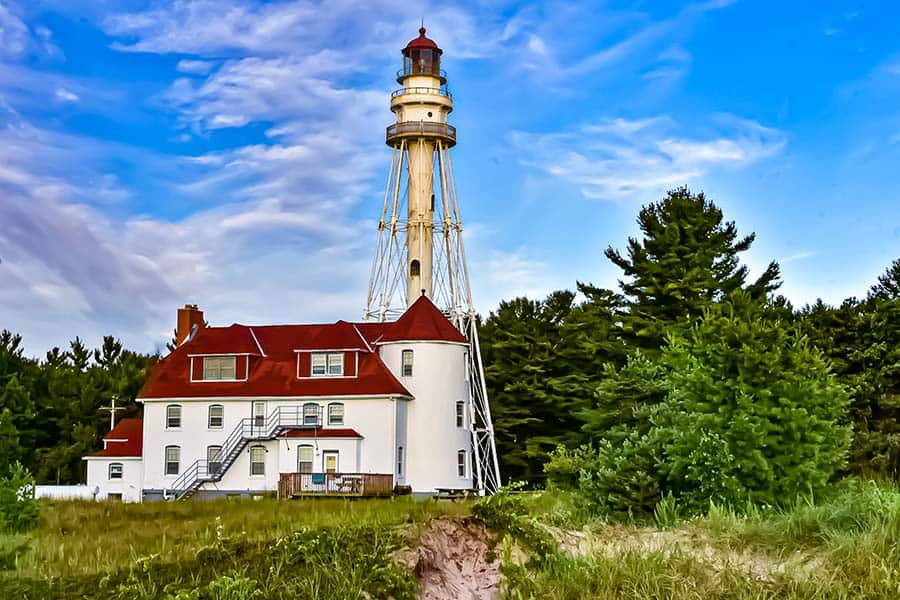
(420, 245)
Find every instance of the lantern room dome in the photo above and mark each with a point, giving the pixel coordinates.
(422, 42)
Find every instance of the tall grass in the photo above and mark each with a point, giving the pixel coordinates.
(86, 549)
(843, 545)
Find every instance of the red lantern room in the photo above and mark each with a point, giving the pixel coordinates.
(422, 57)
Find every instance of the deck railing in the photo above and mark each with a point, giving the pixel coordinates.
(412, 129)
(363, 485)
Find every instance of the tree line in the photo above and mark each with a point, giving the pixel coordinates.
(691, 379)
(51, 409)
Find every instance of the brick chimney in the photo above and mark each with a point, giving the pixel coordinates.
(188, 317)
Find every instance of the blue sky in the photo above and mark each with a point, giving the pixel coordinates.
(230, 152)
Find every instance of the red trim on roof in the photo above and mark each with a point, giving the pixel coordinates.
(131, 431)
(422, 321)
(321, 433)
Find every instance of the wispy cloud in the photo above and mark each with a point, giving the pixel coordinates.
(621, 159)
(14, 35)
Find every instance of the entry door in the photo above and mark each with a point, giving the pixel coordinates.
(330, 461)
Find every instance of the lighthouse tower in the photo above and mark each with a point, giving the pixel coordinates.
(420, 247)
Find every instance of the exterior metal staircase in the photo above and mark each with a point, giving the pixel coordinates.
(247, 430)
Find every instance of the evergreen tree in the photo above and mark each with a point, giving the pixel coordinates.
(744, 386)
(520, 343)
(888, 286)
(687, 259)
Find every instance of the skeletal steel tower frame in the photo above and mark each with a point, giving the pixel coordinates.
(420, 243)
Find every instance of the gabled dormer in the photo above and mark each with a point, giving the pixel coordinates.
(222, 354)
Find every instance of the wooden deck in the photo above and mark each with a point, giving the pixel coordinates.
(335, 485)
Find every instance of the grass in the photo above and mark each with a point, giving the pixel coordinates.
(152, 550)
(844, 545)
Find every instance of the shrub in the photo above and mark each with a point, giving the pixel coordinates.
(18, 507)
(507, 513)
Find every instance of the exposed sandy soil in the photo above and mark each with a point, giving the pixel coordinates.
(451, 562)
(616, 540)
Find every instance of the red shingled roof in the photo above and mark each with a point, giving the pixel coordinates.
(423, 322)
(321, 433)
(272, 358)
(126, 439)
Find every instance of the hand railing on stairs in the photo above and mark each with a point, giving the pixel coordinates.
(247, 429)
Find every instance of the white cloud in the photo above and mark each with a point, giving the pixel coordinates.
(14, 35)
(64, 95)
(195, 67)
(622, 158)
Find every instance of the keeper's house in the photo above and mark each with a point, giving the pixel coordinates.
(352, 409)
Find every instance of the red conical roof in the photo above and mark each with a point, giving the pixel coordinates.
(422, 42)
(422, 321)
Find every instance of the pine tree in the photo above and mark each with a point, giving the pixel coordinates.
(888, 286)
(687, 259)
(519, 345)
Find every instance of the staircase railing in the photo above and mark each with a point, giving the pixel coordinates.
(247, 429)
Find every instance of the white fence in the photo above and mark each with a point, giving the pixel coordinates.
(66, 492)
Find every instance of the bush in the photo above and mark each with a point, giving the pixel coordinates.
(507, 513)
(750, 413)
(18, 507)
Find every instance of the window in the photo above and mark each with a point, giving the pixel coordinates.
(218, 367)
(259, 414)
(414, 268)
(258, 460)
(114, 497)
(460, 414)
(173, 458)
(399, 461)
(216, 416)
(304, 459)
(173, 416)
(327, 364)
(335, 413)
(214, 459)
(311, 414)
(115, 470)
(461, 463)
(407, 362)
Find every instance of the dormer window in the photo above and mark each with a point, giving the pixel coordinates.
(327, 364)
(221, 368)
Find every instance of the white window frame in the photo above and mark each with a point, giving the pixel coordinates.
(332, 406)
(167, 462)
(406, 367)
(312, 458)
(121, 471)
(215, 368)
(460, 413)
(326, 364)
(259, 416)
(462, 463)
(210, 462)
(258, 449)
(209, 416)
(169, 417)
(316, 415)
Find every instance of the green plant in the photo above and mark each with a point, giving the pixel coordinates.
(18, 507)
(506, 512)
